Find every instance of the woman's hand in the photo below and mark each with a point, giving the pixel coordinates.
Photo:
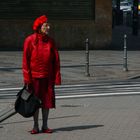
(29, 87)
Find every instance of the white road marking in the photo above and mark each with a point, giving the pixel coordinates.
(98, 95)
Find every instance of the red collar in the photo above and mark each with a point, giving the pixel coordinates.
(42, 37)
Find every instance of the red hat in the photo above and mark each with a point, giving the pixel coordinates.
(39, 21)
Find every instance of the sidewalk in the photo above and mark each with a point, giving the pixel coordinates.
(104, 65)
(106, 118)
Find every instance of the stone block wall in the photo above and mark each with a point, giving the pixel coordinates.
(69, 34)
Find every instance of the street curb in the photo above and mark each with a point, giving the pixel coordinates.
(135, 77)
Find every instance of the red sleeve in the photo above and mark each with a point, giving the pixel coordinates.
(57, 67)
(26, 61)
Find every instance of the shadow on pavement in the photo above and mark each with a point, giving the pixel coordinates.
(72, 128)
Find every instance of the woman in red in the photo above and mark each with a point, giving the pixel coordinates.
(41, 69)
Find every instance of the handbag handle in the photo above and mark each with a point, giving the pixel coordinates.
(28, 87)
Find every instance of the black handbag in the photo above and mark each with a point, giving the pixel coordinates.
(26, 103)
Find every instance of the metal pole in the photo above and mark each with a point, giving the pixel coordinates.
(125, 18)
(125, 54)
(87, 58)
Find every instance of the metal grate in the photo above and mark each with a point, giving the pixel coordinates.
(55, 9)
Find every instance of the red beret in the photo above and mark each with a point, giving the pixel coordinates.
(39, 21)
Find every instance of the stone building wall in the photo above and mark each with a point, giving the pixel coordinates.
(69, 34)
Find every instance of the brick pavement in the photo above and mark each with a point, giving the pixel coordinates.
(109, 118)
(105, 65)
(106, 118)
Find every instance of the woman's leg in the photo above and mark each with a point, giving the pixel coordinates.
(45, 114)
(35, 118)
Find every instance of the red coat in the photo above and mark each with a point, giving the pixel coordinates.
(41, 61)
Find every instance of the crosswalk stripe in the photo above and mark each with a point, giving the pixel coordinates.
(87, 90)
(97, 95)
(89, 94)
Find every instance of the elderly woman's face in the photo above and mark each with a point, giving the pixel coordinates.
(45, 28)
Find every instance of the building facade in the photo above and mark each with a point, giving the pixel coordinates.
(72, 21)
